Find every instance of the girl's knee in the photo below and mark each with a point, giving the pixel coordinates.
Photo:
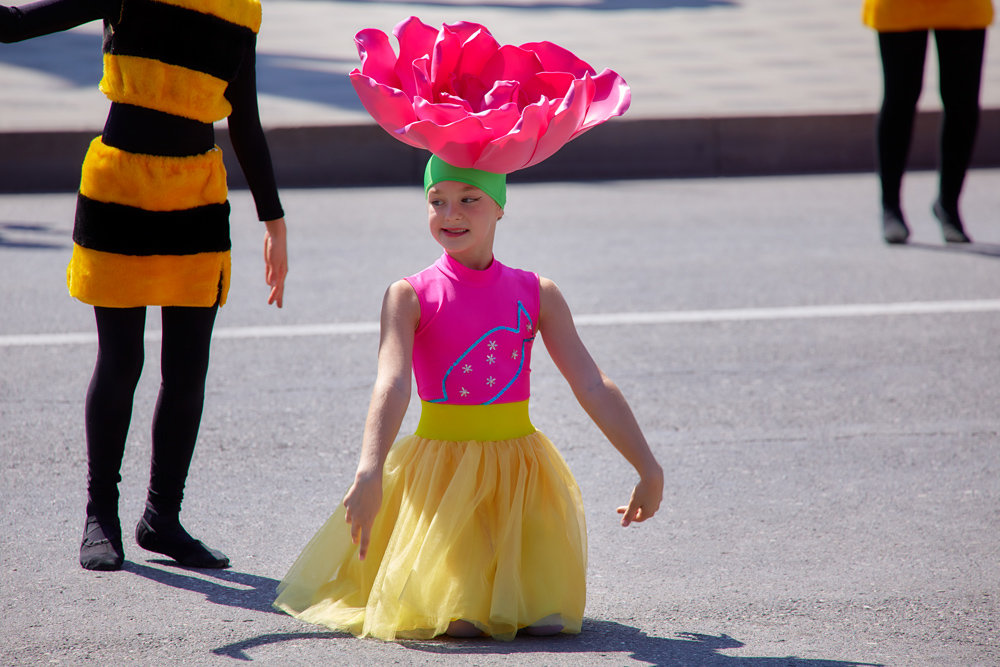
(550, 625)
(463, 630)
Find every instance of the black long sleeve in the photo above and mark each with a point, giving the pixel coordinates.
(248, 139)
(48, 16)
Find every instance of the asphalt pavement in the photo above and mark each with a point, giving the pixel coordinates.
(824, 405)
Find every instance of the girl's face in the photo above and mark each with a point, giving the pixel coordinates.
(463, 219)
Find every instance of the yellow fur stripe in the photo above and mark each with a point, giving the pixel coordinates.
(153, 182)
(127, 281)
(246, 13)
(176, 90)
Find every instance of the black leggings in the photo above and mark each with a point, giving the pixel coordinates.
(187, 334)
(960, 63)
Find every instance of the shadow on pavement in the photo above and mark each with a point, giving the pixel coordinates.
(237, 650)
(689, 649)
(984, 249)
(31, 237)
(234, 589)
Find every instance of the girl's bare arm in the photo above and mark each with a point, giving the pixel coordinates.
(602, 400)
(390, 398)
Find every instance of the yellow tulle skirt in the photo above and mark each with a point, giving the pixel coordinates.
(490, 532)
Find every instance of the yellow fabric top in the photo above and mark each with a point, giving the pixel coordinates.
(903, 15)
(460, 423)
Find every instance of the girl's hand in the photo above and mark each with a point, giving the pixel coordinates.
(276, 259)
(645, 500)
(362, 502)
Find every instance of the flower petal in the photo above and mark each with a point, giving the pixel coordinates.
(465, 30)
(477, 50)
(501, 120)
(503, 92)
(448, 98)
(551, 85)
(444, 60)
(511, 63)
(495, 122)
(555, 58)
(612, 97)
(389, 106)
(378, 60)
(514, 150)
(473, 90)
(564, 122)
(416, 40)
(458, 144)
(439, 113)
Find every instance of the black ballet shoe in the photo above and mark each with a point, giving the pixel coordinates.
(952, 228)
(175, 542)
(101, 548)
(894, 229)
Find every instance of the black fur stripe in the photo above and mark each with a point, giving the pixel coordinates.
(127, 230)
(179, 36)
(149, 132)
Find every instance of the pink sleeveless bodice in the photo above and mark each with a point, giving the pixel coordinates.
(473, 343)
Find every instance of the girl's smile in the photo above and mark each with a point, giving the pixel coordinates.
(462, 219)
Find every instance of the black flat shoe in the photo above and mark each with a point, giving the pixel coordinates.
(101, 548)
(952, 228)
(175, 542)
(894, 229)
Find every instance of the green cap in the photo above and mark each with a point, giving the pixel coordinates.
(495, 185)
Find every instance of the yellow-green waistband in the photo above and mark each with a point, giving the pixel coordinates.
(498, 421)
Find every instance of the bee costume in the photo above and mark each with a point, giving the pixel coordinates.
(152, 229)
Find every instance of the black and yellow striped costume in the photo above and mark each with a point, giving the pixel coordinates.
(152, 220)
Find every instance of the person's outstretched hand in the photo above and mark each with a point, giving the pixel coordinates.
(645, 500)
(276, 259)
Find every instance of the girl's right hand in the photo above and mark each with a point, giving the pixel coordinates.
(362, 503)
(276, 259)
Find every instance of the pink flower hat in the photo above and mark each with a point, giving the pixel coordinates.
(476, 104)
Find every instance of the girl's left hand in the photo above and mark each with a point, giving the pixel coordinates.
(645, 500)
(276, 259)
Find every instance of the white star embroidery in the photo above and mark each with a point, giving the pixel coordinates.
(490, 359)
(491, 381)
(513, 355)
(493, 345)
(464, 391)
(467, 369)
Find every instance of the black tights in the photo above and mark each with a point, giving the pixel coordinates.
(960, 63)
(187, 334)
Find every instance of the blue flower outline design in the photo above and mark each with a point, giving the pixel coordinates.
(521, 312)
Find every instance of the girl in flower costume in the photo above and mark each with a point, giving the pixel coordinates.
(152, 229)
(473, 524)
